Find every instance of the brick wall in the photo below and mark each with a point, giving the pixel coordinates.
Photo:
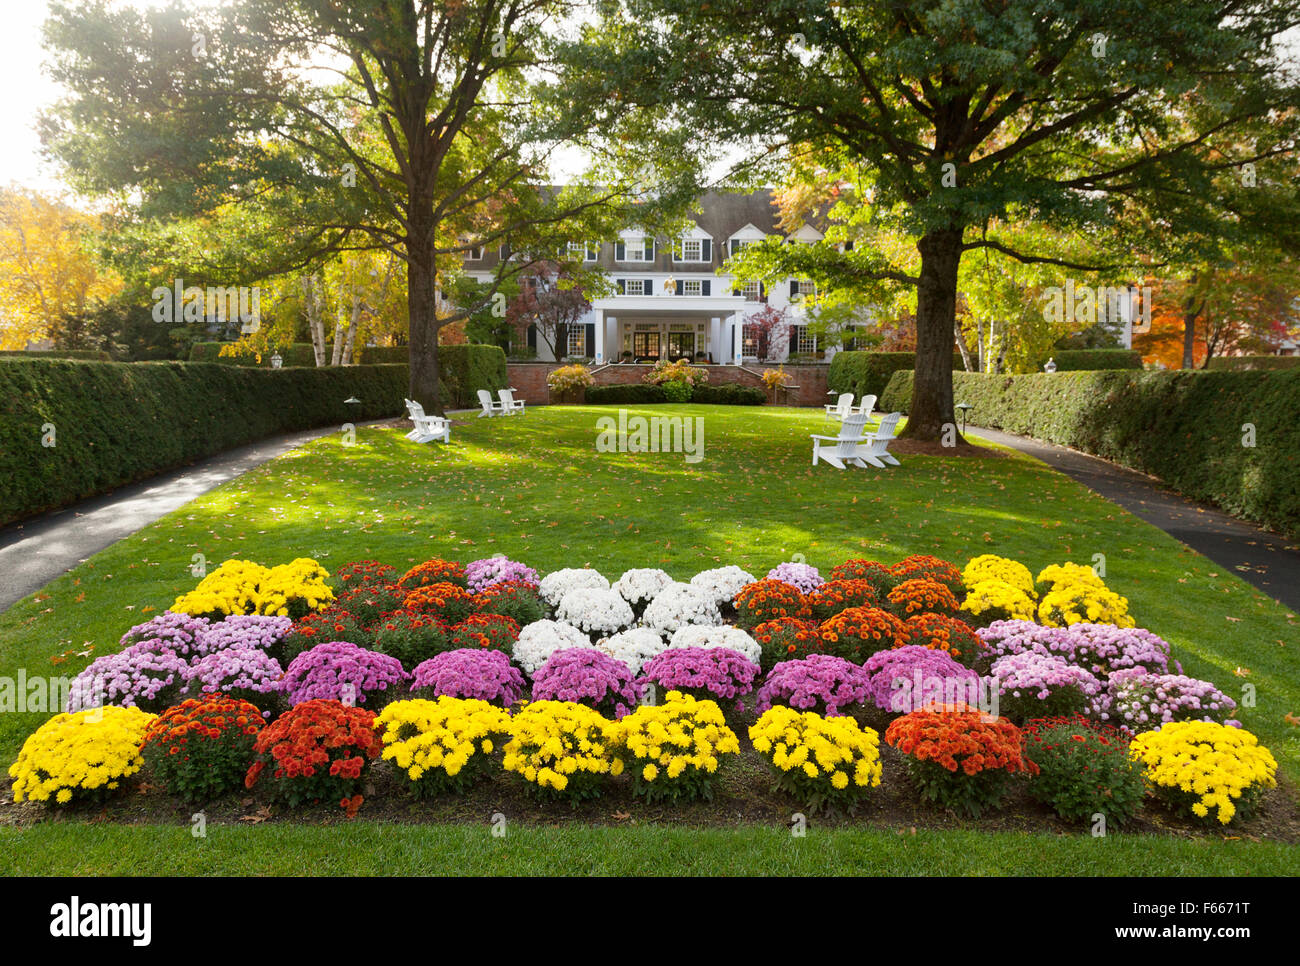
(529, 378)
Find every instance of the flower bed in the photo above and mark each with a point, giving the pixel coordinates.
(468, 638)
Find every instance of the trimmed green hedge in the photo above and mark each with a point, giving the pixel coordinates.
(1079, 360)
(117, 422)
(92, 355)
(1187, 427)
(464, 369)
(1253, 362)
(867, 373)
(640, 394)
(293, 356)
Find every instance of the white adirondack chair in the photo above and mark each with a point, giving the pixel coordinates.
(874, 446)
(840, 450)
(510, 405)
(427, 428)
(491, 407)
(865, 407)
(843, 406)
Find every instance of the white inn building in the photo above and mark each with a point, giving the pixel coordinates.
(673, 300)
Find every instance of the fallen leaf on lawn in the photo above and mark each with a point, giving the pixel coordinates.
(261, 815)
(622, 816)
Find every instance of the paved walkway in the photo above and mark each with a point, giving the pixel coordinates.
(1263, 559)
(35, 551)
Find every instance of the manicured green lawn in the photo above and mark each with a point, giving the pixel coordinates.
(370, 848)
(537, 490)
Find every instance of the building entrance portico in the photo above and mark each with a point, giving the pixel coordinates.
(651, 335)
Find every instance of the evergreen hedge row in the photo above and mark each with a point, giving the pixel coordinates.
(865, 373)
(114, 422)
(639, 394)
(96, 354)
(1192, 429)
(1253, 362)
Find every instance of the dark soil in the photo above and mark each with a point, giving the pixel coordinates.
(921, 447)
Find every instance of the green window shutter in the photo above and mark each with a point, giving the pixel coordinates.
(649, 288)
(679, 286)
(706, 247)
(704, 286)
(620, 251)
(622, 286)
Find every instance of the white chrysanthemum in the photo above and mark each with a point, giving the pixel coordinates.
(538, 640)
(641, 584)
(634, 648)
(556, 585)
(693, 635)
(679, 604)
(594, 611)
(721, 584)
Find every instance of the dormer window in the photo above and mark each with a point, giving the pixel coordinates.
(475, 254)
(635, 248)
(694, 250)
(586, 251)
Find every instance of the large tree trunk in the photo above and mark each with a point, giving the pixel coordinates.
(421, 310)
(936, 313)
(312, 306)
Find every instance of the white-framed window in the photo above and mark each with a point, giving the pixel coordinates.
(692, 286)
(577, 339)
(634, 286)
(474, 254)
(638, 249)
(750, 291)
(804, 341)
(586, 251)
(692, 250)
(736, 245)
(801, 289)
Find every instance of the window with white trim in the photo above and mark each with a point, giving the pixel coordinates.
(692, 286)
(737, 245)
(586, 251)
(577, 340)
(638, 249)
(634, 286)
(474, 254)
(804, 341)
(690, 250)
(751, 291)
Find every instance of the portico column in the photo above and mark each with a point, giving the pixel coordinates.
(600, 336)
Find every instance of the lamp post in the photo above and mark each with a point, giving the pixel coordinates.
(354, 407)
(1049, 366)
(965, 408)
(277, 361)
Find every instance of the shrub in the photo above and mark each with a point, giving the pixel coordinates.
(881, 579)
(924, 566)
(787, 638)
(858, 632)
(823, 763)
(82, 755)
(363, 573)
(365, 604)
(1242, 363)
(1077, 595)
(243, 587)
(837, 595)
(721, 584)
(586, 676)
(728, 394)
(820, 682)
(329, 625)
(246, 673)
(922, 595)
(319, 750)
(1138, 700)
(296, 354)
(513, 599)
(569, 380)
(338, 671)
(486, 632)
(470, 673)
(678, 605)
(103, 410)
(256, 631)
(1184, 427)
(948, 634)
(1084, 769)
(201, 748)
(625, 395)
(136, 677)
(1033, 685)
(913, 677)
(1081, 360)
(639, 585)
(989, 566)
(799, 575)
(677, 392)
(485, 573)
(765, 600)
(633, 647)
(699, 635)
(444, 745)
(449, 603)
(561, 750)
(594, 610)
(169, 631)
(707, 673)
(675, 749)
(664, 373)
(559, 582)
(435, 571)
(867, 373)
(989, 600)
(1099, 648)
(959, 758)
(1199, 766)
